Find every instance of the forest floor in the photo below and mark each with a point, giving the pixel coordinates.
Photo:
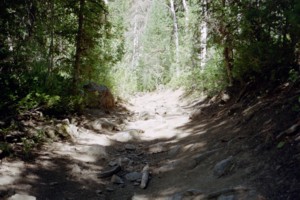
(223, 148)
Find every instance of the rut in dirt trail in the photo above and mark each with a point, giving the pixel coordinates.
(188, 159)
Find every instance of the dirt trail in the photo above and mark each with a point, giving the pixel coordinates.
(200, 159)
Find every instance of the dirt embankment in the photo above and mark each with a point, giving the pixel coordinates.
(238, 145)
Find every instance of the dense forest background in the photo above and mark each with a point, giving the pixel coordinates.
(50, 49)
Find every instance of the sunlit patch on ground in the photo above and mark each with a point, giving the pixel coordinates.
(10, 172)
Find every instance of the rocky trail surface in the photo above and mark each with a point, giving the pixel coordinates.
(159, 147)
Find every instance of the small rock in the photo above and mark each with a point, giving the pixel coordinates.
(124, 161)
(196, 114)
(157, 148)
(226, 197)
(98, 192)
(28, 123)
(53, 183)
(75, 169)
(122, 136)
(177, 196)
(66, 121)
(130, 147)
(136, 183)
(105, 124)
(109, 189)
(73, 121)
(189, 194)
(21, 197)
(223, 166)
(297, 138)
(50, 132)
(72, 130)
(113, 163)
(96, 125)
(126, 136)
(133, 176)
(140, 180)
(174, 151)
(144, 115)
(202, 156)
(225, 97)
(116, 179)
(167, 167)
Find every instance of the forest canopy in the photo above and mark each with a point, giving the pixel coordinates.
(50, 49)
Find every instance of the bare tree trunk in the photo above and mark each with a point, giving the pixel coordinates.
(227, 51)
(176, 37)
(186, 9)
(203, 39)
(51, 47)
(79, 48)
(228, 63)
(135, 44)
(140, 16)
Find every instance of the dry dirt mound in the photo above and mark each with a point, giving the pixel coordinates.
(165, 148)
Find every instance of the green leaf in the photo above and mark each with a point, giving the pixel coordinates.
(280, 144)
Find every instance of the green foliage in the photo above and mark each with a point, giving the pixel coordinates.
(294, 76)
(281, 144)
(37, 52)
(28, 145)
(210, 80)
(129, 46)
(296, 105)
(34, 100)
(262, 35)
(5, 148)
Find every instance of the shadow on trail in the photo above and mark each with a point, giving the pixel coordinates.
(58, 181)
(177, 163)
(248, 133)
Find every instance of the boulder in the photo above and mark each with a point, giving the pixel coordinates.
(98, 96)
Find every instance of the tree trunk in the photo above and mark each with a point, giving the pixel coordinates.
(186, 9)
(203, 39)
(176, 37)
(79, 48)
(228, 63)
(135, 44)
(51, 47)
(227, 51)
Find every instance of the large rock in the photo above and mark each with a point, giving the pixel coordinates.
(98, 96)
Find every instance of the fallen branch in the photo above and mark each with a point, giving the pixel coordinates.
(145, 177)
(110, 172)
